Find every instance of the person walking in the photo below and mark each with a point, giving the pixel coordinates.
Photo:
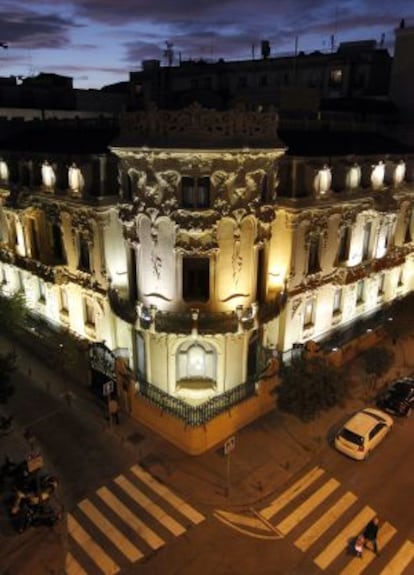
(359, 546)
(371, 533)
(114, 410)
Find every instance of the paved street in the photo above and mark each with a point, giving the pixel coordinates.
(136, 505)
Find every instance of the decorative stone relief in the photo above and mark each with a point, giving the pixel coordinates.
(202, 123)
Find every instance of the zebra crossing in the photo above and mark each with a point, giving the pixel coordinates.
(324, 519)
(124, 521)
(320, 518)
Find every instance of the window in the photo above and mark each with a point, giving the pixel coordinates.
(195, 192)
(3, 276)
(141, 360)
(313, 256)
(366, 241)
(89, 312)
(264, 81)
(337, 303)
(84, 259)
(360, 292)
(196, 361)
(308, 317)
(48, 175)
(388, 237)
(64, 307)
(407, 235)
(335, 77)
(4, 171)
(400, 278)
(42, 292)
(75, 179)
(344, 243)
(33, 238)
(381, 284)
(57, 243)
(196, 279)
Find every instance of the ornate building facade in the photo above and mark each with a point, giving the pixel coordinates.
(197, 248)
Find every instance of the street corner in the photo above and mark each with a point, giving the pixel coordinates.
(250, 523)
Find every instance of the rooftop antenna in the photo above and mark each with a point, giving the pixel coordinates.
(335, 28)
(169, 52)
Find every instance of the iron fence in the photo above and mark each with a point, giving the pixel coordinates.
(195, 416)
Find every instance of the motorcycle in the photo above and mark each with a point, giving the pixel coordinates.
(35, 516)
(34, 492)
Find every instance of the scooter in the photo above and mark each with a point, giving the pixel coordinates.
(35, 516)
(37, 492)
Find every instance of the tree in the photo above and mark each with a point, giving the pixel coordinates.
(12, 315)
(309, 386)
(12, 312)
(377, 361)
(7, 367)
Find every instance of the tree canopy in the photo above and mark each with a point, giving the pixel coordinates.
(12, 315)
(12, 312)
(309, 386)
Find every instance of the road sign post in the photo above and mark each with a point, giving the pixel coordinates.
(107, 389)
(229, 446)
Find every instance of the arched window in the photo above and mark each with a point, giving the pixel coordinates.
(196, 361)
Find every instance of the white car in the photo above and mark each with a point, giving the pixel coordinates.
(364, 431)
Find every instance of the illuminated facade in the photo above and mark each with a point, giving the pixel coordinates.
(197, 248)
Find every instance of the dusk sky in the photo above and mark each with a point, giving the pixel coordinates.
(98, 42)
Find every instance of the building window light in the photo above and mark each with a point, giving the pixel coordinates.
(48, 175)
(75, 179)
(4, 171)
(399, 173)
(377, 175)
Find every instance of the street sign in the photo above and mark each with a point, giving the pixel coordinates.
(108, 388)
(229, 445)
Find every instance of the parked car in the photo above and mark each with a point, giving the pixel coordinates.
(399, 397)
(363, 432)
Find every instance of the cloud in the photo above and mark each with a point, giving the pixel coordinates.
(26, 28)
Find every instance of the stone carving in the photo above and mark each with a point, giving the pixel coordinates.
(202, 124)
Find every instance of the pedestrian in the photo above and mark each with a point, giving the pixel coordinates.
(114, 410)
(371, 533)
(359, 545)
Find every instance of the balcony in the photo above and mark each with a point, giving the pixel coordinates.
(206, 322)
(123, 308)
